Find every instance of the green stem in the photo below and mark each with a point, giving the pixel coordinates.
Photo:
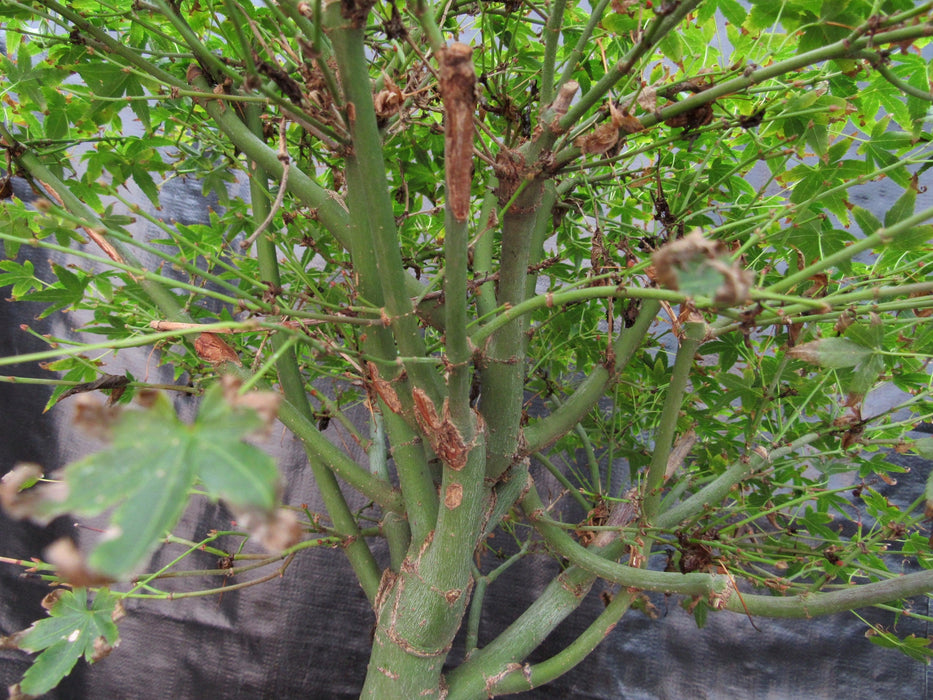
(459, 351)
(547, 430)
(382, 279)
(535, 675)
(583, 42)
(416, 480)
(326, 206)
(877, 239)
(479, 596)
(552, 34)
(720, 487)
(483, 251)
(649, 38)
(503, 375)
(323, 451)
(667, 426)
(567, 485)
(570, 296)
(424, 13)
(206, 58)
(375, 234)
(560, 598)
(289, 374)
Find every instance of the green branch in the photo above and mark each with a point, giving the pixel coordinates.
(694, 332)
(544, 432)
(326, 206)
(552, 33)
(376, 251)
(289, 375)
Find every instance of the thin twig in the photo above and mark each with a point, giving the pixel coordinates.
(276, 205)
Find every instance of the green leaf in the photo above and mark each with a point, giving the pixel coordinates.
(831, 353)
(902, 208)
(68, 291)
(928, 491)
(733, 11)
(865, 375)
(924, 448)
(917, 648)
(149, 469)
(21, 276)
(70, 632)
(866, 221)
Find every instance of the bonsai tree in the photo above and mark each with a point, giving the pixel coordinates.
(597, 274)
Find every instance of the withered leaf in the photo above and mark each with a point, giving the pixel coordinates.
(648, 100)
(276, 531)
(102, 649)
(696, 265)
(93, 418)
(264, 403)
(623, 7)
(71, 564)
(600, 140)
(388, 101)
(211, 348)
(624, 121)
(116, 383)
(18, 500)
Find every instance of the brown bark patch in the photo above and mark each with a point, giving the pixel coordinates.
(442, 434)
(458, 91)
(383, 389)
(453, 496)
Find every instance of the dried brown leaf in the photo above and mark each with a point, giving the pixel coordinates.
(648, 99)
(211, 348)
(623, 7)
(19, 503)
(600, 140)
(12, 641)
(101, 649)
(71, 565)
(388, 101)
(671, 259)
(275, 531)
(265, 403)
(16, 693)
(52, 597)
(114, 382)
(624, 121)
(94, 418)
